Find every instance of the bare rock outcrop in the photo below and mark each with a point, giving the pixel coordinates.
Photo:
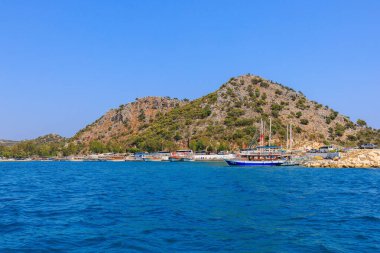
(352, 159)
(129, 118)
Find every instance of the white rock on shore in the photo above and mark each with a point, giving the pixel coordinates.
(352, 159)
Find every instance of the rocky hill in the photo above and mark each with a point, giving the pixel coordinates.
(49, 138)
(118, 125)
(44, 146)
(225, 119)
(7, 142)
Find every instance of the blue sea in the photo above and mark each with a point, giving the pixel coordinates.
(186, 207)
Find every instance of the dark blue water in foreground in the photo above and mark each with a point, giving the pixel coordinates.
(186, 207)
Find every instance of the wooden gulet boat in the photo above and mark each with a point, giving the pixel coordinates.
(261, 155)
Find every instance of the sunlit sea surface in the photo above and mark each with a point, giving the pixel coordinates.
(186, 207)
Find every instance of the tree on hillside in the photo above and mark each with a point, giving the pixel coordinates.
(97, 147)
(361, 123)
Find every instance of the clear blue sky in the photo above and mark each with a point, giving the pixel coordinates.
(65, 63)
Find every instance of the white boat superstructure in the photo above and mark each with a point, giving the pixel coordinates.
(184, 155)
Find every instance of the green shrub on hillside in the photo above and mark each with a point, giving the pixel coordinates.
(235, 112)
(141, 116)
(255, 81)
(304, 121)
(301, 103)
(257, 93)
(275, 109)
(361, 123)
(243, 122)
(339, 130)
(331, 117)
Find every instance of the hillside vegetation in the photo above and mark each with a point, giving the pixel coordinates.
(7, 142)
(44, 146)
(229, 119)
(226, 119)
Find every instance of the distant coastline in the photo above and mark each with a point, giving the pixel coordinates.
(369, 158)
(225, 120)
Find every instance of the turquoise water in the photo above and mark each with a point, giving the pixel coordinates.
(186, 207)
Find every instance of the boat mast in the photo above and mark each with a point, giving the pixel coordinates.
(264, 126)
(291, 137)
(287, 137)
(261, 132)
(270, 131)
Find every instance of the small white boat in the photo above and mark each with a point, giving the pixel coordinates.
(182, 156)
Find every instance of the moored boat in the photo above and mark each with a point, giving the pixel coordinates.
(290, 164)
(152, 159)
(262, 155)
(259, 156)
(182, 156)
(160, 156)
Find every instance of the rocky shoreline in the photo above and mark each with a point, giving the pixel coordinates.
(352, 159)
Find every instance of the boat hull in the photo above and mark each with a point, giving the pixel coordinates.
(182, 159)
(152, 160)
(290, 164)
(254, 163)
